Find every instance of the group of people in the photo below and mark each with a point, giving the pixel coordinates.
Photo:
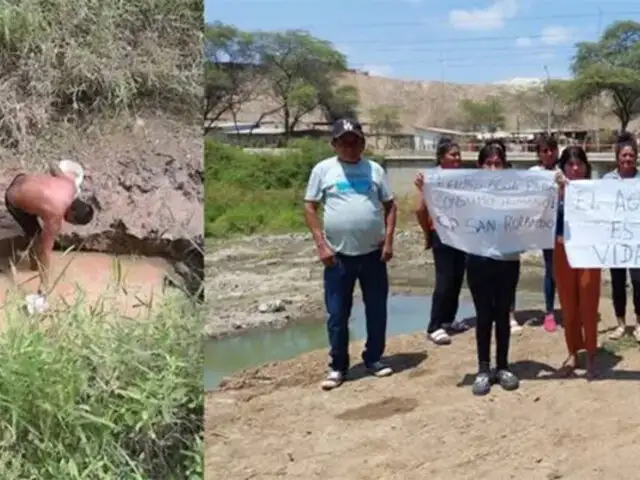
(354, 241)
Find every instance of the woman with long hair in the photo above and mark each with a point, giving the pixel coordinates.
(492, 281)
(626, 168)
(449, 262)
(578, 288)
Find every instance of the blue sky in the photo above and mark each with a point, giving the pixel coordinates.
(464, 41)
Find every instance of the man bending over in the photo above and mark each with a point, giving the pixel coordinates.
(40, 203)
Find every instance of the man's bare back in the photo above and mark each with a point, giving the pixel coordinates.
(40, 203)
(43, 195)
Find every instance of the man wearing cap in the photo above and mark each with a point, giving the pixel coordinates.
(40, 203)
(354, 242)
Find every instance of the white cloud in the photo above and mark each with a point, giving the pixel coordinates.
(555, 35)
(524, 42)
(378, 70)
(491, 18)
(521, 81)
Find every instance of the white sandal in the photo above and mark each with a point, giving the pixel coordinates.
(619, 332)
(440, 337)
(636, 333)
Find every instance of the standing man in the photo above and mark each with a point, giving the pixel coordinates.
(40, 203)
(354, 242)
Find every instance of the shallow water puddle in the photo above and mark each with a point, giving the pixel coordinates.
(133, 280)
(223, 357)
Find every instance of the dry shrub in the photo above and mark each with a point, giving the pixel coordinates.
(70, 61)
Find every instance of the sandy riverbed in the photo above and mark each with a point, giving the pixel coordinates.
(274, 422)
(282, 272)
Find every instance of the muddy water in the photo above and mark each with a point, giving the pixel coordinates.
(407, 314)
(130, 282)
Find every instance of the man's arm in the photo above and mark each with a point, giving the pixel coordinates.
(390, 209)
(390, 219)
(312, 219)
(51, 227)
(312, 199)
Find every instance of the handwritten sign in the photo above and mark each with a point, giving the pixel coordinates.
(492, 213)
(602, 223)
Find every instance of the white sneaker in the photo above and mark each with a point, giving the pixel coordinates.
(440, 337)
(515, 326)
(334, 380)
(380, 369)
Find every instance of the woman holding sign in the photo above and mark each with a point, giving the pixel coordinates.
(492, 282)
(578, 288)
(627, 168)
(449, 262)
(547, 153)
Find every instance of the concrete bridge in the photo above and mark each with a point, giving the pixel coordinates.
(402, 167)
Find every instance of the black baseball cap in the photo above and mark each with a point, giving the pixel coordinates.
(346, 125)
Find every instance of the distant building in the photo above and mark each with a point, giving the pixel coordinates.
(426, 138)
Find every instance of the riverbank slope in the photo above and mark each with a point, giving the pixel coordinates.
(423, 422)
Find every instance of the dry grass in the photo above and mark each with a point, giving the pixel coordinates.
(424, 103)
(72, 61)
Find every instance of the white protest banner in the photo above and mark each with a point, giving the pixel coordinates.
(492, 212)
(602, 223)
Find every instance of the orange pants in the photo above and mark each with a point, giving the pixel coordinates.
(579, 292)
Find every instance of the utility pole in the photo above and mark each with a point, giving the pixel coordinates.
(443, 109)
(546, 71)
(598, 97)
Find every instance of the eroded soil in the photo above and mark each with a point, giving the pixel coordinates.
(274, 422)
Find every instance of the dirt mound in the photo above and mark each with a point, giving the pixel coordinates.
(146, 181)
(423, 422)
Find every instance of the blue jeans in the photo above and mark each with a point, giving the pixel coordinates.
(339, 282)
(549, 283)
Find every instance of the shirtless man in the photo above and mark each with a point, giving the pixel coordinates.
(40, 203)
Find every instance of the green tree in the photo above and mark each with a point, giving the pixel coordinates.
(301, 72)
(385, 121)
(231, 71)
(611, 66)
(339, 102)
(549, 103)
(488, 114)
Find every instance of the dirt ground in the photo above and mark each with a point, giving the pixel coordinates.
(246, 274)
(423, 422)
(140, 279)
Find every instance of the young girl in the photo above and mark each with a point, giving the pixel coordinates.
(547, 153)
(449, 262)
(492, 282)
(578, 288)
(626, 168)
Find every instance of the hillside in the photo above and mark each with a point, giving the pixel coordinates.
(428, 103)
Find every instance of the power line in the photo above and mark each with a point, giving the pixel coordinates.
(533, 55)
(596, 14)
(567, 16)
(401, 48)
(473, 61)
(439, 41)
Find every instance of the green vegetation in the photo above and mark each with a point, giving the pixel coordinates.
(296, 70)
(87, 393)
(487, 114)
(611, 66)
(249, 193)
(84, 391)
(68, 61)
